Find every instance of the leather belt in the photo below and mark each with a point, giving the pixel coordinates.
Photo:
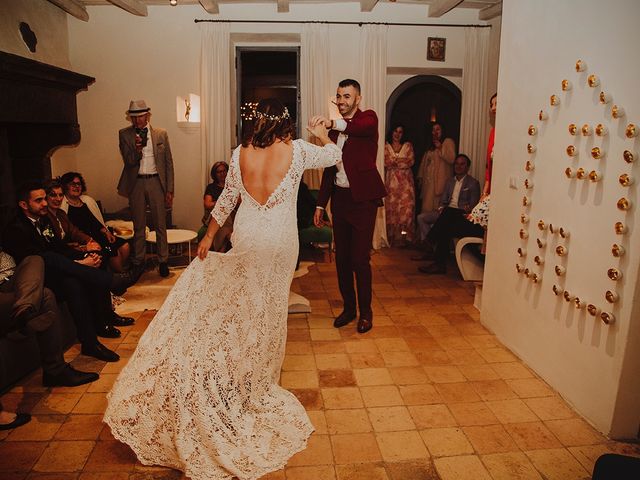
(149, 175)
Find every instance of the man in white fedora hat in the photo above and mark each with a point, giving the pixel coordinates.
(147, 176)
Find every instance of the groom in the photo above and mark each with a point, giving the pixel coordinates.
(356, 190)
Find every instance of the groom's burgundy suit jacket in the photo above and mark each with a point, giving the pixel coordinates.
(359, 159)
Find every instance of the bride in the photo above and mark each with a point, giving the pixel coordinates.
(200, 393)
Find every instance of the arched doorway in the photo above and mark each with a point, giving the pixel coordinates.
(420, 100)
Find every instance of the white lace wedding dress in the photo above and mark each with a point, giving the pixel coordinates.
(200, 393)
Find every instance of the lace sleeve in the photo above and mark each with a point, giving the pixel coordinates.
(229, 196)
(320, 157)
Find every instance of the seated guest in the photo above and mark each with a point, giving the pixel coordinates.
(29, 308)
(221, 242)
(461, 194)
(72, 275)
(77, 239)
(84, 213)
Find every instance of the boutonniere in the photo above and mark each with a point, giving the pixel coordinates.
(48, 233)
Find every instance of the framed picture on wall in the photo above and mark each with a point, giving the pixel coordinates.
(436, 48)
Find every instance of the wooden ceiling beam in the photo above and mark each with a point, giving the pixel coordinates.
(490, 12)
(211, 6)
(135, 7)
(367, 5)
(440, 7)
(72, 8)
(283, 6)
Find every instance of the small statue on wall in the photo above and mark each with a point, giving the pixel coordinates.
(187, 111)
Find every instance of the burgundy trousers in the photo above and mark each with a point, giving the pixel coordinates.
(353, 224)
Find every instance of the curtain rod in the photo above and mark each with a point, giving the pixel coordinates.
(330, 22)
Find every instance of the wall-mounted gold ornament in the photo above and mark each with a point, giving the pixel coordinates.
(526, 201)
(617, 111)
(542, 115)
(524, 218)
(519, 268)
(607, 318)
(522, 252)
(595, 176)
(523, 234)
(604, 98)
(581, 66)
(541, 225)
(593, 310)
(541, 242)
(572, 151)
(561, 250)
(538, 260)
(578, 303)
(554, 100)
(597, 153)
(553, 228)
(593, 81)
(611, 296)
(625, 180)
(581, 173)
(557, 290)
(573, 129)
(526, 272)
(568, 296)
(536, 277)
(631, 130)
(531, 148)
(617, 250)
(614, 274)
(528, 183)
(529, 166)
(586, 130)
(564, 233)
(628, 156)
(601, 130)
(560, 270)
(623, 204)
(620, 228)
(566, 85)
(569, 172)
(532, 130)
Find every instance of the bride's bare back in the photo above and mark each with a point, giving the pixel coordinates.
(263, 169)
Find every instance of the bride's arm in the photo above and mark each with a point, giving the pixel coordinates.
(319, 157)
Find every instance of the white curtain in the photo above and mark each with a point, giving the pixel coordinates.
(474, 120)
(314, 84)
(215, 101)
(373, 80)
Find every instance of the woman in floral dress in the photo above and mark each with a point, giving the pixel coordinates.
(401, 198)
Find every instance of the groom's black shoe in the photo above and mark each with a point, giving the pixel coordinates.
(344, 318)
(365, 323)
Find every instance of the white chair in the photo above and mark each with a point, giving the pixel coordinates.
(471, 267)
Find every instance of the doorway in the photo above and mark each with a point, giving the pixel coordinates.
(420, 101)
(267, 72)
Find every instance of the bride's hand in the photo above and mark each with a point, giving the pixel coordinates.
(204, 246)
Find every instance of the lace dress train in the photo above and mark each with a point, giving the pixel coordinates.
(201, 393)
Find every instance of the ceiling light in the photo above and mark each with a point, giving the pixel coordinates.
(173, 3)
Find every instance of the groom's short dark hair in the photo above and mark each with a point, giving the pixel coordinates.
(349, 82)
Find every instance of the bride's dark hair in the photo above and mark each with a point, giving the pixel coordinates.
(271, 122)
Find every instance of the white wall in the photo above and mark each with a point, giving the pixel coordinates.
(157, 58)
(48, 22)
(593, 366)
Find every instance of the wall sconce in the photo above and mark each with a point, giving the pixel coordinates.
(188, 109)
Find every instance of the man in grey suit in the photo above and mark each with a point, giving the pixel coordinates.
(461, 194)
(147, 176)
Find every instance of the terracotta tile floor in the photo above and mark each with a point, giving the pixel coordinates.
(427, 394)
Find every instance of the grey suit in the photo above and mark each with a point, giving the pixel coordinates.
(153, 189)
(469, 193)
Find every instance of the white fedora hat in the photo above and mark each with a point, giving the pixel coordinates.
(137, 108)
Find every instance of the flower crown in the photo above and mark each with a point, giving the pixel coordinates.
(273, 118)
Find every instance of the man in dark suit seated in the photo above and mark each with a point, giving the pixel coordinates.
(461, 194)
(28, 308)
(72, 275)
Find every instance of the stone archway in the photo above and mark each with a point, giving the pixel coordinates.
(411, 104)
